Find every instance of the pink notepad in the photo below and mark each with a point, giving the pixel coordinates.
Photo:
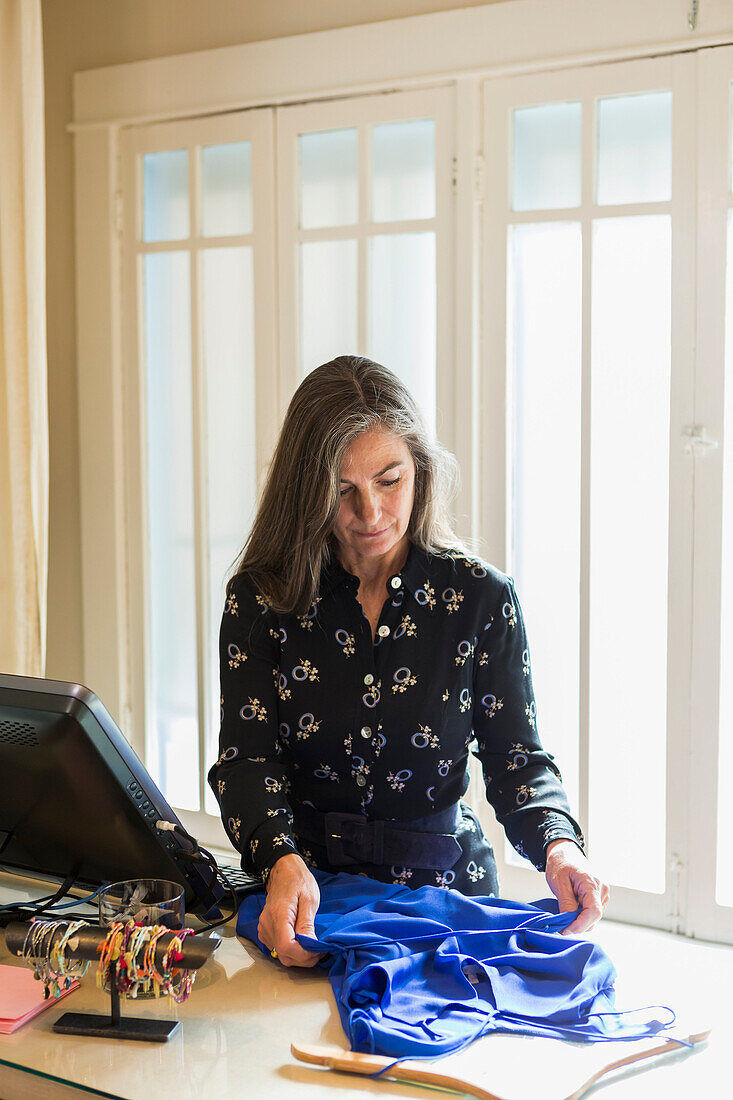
(21, 997)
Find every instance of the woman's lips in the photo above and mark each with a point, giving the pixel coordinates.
(370, 535)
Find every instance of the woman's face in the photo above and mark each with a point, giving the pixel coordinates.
(377, 493)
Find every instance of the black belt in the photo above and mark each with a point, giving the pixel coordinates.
(352, 838)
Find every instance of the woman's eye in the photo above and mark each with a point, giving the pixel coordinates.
(387, 484)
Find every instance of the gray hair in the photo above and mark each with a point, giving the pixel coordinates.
(292, 534)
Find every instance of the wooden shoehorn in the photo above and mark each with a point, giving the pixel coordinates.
(349, 1061)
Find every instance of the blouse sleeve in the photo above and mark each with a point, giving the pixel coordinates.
(523, 783)
(249, 779)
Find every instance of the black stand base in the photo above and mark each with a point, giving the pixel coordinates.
(115, 1026)
(127, 1027)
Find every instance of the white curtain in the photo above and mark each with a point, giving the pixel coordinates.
(23, 381)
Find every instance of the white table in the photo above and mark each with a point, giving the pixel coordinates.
(244, 1011)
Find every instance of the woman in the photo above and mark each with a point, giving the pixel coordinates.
(363, 652)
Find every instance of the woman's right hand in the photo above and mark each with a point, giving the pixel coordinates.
(292, 903)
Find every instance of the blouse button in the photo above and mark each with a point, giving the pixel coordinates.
(366, 731)
(368, 679)
(360, 781)
(383, 631)
(396, 582)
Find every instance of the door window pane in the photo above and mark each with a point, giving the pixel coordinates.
(635, 148)
(165, 196)
(229, 371)
(724, 877)
(546, 157)
(226, 189)
(403, 167)
(544, 349)
(328, 179)
(629, 469)
(172, 717)
(401, 327)
(328, 306)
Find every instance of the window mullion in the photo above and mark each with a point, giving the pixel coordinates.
(364, 176)
(587, 146)
(200, 509)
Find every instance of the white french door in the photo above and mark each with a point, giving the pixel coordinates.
(257, 245)
(603, 304)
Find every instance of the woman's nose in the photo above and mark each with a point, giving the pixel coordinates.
(368, 508)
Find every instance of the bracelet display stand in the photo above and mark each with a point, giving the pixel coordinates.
(85, 945)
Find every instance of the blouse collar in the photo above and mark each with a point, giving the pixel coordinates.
(413, 574)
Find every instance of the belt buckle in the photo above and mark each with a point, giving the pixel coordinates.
(334, 837)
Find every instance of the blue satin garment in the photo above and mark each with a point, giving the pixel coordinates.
(421, 973)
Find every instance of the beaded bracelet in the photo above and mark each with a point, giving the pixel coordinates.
(174, 953)
(32, 951)
(64, 970)
(36, 953)
(132, 947)
(109, 950)
(149, 959)
(45, 952)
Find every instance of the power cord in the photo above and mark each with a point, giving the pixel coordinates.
(27, 910)
(201, 855)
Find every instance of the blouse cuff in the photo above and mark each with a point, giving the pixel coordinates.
(540, 828)
(556, 826)
(272, 839)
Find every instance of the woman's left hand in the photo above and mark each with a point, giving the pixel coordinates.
(571, 880)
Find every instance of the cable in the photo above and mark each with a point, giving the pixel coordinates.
(27, 910)
(34, 902)
(201, 855)
(51, 908)
(81, 901)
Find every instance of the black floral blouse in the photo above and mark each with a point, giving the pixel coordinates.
(314, 713)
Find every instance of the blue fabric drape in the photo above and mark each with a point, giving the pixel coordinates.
(421, 973)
